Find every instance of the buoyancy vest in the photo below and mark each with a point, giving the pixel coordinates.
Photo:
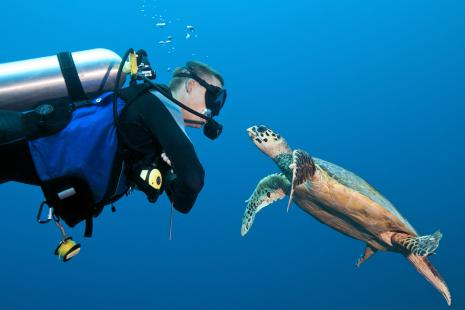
(78, 166)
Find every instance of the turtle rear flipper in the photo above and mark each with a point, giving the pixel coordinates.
(303, 168)
(416, 250)
(369, 251)
(420, 246)
(426, 269)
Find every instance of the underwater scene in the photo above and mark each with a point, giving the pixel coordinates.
(332, 178)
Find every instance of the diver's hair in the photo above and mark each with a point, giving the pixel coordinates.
(196, 67)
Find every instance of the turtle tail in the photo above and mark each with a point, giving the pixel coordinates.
(426, 269)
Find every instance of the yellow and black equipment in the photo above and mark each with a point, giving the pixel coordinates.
(67, 248)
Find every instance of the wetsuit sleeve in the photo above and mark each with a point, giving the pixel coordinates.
(177, 146)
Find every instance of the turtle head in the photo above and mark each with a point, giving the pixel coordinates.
(269, 142)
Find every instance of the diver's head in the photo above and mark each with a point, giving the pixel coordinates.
(269, 142)
(199, 87)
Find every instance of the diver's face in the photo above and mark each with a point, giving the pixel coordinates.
(268, 141)
(195, 99)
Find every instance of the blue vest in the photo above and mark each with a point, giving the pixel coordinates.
(85, 148)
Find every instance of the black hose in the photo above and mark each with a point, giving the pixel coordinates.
(180, 104)
(115, 91)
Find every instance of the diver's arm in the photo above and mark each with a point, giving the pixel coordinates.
(177, 146)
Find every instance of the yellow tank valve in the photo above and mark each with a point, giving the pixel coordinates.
(133, 61)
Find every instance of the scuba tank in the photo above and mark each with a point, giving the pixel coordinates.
(28, 83)
(37, 99)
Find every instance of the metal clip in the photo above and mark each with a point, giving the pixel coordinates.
(39, 214)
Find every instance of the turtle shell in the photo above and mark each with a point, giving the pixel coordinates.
(356, 183)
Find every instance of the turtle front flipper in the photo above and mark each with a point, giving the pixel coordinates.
(268, 190)
(303, 168)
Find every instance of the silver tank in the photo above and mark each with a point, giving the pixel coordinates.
(25, 83)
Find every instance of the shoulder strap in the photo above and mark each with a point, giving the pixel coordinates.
(131, 93)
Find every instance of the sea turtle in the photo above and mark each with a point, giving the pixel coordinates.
(340, 199)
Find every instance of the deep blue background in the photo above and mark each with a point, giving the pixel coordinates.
(375, 86)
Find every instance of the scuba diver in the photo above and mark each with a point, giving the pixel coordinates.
(87, 148)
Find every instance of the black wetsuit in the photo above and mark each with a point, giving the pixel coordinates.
(151, 129)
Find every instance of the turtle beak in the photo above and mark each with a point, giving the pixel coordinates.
(252, 132)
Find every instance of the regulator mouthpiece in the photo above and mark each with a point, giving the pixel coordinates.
(212, 129)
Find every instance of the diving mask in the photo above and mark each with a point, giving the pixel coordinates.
(215, 97)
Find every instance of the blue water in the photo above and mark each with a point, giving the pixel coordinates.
(377, 87)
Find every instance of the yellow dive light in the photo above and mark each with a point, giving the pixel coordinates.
(67, 249)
